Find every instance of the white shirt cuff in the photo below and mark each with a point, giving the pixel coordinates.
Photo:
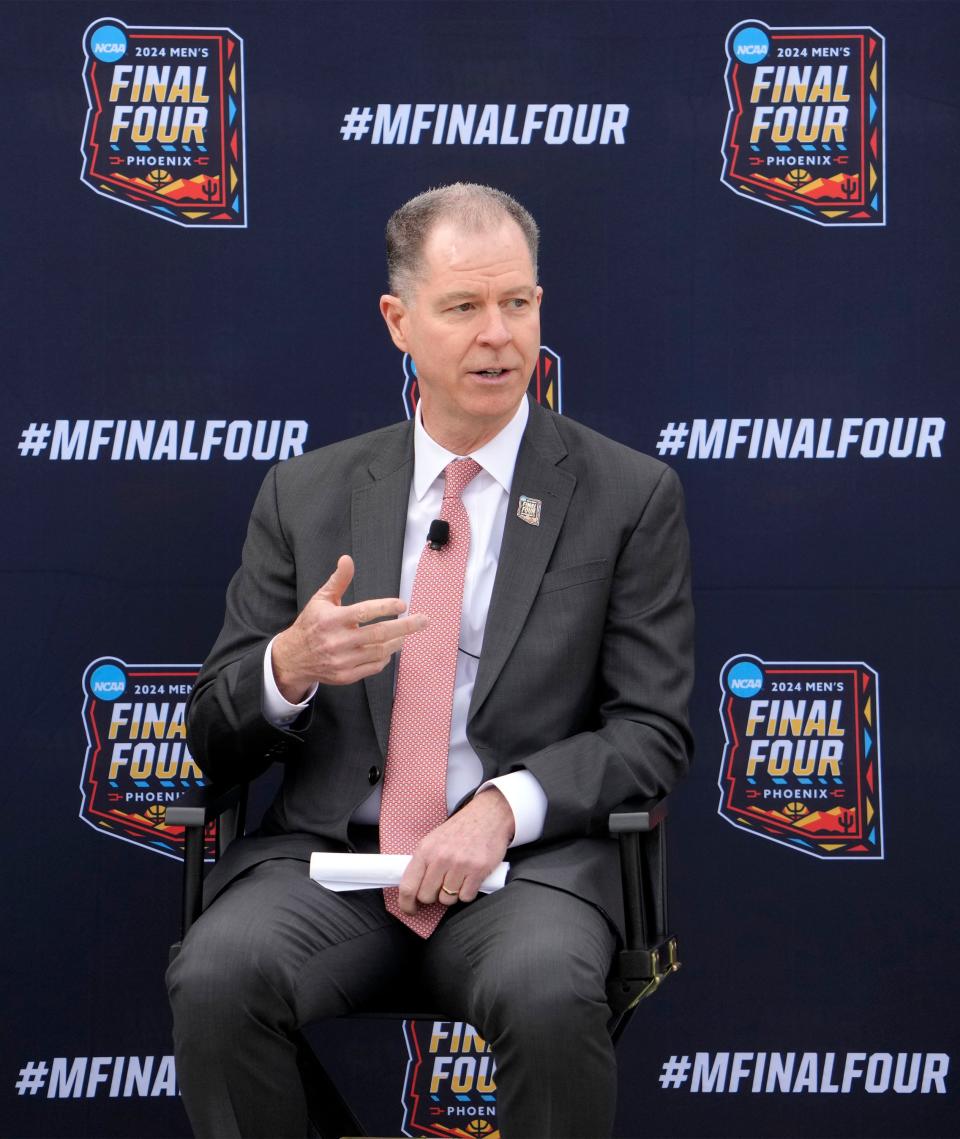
(277, 710)
(527, 800)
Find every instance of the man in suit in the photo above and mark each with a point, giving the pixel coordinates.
(567, 689)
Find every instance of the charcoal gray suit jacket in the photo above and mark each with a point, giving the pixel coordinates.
(584, 674)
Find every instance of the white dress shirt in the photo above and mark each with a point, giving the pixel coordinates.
(485, 499)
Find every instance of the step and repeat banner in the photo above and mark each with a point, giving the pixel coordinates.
(749, 262)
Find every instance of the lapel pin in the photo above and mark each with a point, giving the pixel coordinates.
(528, 510)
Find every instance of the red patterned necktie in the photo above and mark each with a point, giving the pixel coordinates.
(414, 800)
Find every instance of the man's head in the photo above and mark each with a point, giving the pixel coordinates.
(473, 207)
(465, 304)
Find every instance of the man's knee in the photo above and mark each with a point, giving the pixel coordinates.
(554, 1000)
(549, 972)
(533, 991)
(216, 974)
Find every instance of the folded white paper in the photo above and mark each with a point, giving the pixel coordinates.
(374, 871)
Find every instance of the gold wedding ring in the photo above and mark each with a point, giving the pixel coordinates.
(452, 893)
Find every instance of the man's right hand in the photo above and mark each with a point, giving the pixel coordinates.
(330, 643)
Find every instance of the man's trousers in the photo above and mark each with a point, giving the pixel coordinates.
(526, 966)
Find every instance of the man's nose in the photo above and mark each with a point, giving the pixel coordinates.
(494, 331)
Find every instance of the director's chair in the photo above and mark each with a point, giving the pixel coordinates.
(647, 958)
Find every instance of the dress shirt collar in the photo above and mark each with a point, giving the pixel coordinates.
(498, 457)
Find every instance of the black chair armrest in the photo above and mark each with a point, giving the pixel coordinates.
(201, 805)
(649, 955)
(639, 815)
(194, 810)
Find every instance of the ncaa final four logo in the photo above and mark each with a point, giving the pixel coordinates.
(449, 1088)
(801, 764)
(165, 121)
(806, 127)
(137, 762)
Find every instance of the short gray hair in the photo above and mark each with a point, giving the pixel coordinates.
(474, 207)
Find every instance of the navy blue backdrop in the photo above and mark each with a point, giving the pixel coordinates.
(674, 305)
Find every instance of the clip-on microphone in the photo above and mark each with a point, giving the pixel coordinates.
(439, 533)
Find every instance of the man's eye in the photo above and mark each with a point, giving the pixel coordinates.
(465, 307)
(519, 302)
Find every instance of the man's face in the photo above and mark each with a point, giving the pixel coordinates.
(472, 326)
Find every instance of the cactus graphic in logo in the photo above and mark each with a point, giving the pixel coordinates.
(137, 761)
(165, 121)
(806, 129)
(801, 764)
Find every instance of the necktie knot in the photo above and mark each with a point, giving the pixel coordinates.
(457, 475)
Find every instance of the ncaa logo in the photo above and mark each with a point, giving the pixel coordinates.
(751, 45)
(744, 679)
(108, 43)
(108, 682)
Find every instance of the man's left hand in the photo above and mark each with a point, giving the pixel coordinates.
(449, 864)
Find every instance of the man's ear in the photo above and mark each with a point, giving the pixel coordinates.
(394, 312)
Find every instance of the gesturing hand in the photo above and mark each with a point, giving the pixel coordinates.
(330, 643)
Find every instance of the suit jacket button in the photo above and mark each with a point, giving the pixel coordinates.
(374, 774)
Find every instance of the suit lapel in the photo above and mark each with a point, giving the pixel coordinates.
(378, 523)
(526, 549)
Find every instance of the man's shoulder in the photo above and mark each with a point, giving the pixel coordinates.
(588, 448)
(346, 458)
